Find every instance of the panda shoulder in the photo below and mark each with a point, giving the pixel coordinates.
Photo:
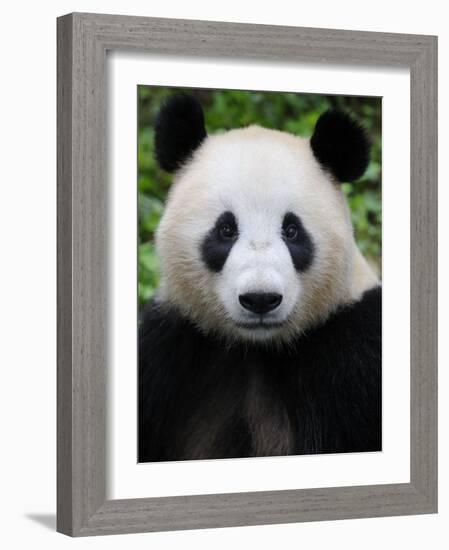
(358, 326)
(353, 331)
(166, 339)
(161, 327)
(368, 310)
(363, 316)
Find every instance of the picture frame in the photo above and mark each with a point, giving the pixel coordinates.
(83, 42)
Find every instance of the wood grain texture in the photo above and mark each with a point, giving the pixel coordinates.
(424, 252)
(64, 277)
(83, 40)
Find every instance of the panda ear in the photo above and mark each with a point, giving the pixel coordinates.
(179, 130)
(341, 145)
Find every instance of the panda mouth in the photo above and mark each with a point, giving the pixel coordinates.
(260, 325)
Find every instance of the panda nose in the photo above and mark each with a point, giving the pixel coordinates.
(260, 302)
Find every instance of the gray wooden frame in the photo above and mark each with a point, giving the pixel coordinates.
(83, 40)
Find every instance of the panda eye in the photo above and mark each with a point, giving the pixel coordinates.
(227, 231)
(290, 232)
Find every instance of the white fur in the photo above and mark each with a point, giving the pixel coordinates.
(259, 175)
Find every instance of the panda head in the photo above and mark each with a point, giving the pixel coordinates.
(256, 241)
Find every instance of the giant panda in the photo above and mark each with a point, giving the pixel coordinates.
(264, 337)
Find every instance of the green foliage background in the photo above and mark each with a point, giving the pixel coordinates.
(227, 109)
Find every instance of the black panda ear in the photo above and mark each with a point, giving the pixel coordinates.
(341, 145)
(179, 130)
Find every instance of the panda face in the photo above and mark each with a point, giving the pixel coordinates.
(256, 241)
(258, 260)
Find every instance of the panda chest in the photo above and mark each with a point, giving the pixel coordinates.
(268, 419)
(243, 415)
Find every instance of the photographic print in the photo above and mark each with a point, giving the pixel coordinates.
(259, 274)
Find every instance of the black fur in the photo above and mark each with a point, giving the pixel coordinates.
(215, 247)
(301, 248)
(199, 398)
(180, 130)
(341, 145)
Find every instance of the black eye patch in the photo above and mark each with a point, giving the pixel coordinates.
(217, 244)
(298, 241)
